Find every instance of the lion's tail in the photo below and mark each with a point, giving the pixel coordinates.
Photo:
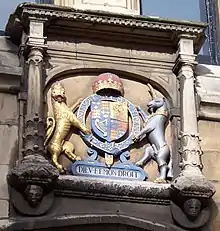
(50, 127)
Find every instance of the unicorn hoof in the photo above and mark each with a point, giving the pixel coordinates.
(78, 158)
(139, 164)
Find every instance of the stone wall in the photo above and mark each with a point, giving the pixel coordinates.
(9, 115)
(208, 85)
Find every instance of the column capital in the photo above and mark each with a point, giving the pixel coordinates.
(36, 55)
(185, 53)
(184, 60)
(36, 36)
(33, 45)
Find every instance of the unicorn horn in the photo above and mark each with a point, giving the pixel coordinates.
(152, 91)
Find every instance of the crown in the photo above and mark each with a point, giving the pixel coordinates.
(108, 81)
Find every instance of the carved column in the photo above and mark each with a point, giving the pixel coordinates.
(190, 143)
(33, 178)
(190, 185)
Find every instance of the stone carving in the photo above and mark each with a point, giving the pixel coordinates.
(154, 129)
(34, 195)
(110, 136)
(29, 10)
(191, 191)
(192, 208)
(32, 180)
(37, 201)
(190, 150)
(191, 214)
(59, 126)
(33, 177)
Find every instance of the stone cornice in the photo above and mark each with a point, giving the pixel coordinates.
(48, 12)
(116, 190)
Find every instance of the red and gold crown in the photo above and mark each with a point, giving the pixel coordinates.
(108, 81)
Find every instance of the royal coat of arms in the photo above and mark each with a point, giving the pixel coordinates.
(114, 122)
(109, 124)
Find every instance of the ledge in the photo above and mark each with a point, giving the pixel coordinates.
(133, 191)
(152, 27)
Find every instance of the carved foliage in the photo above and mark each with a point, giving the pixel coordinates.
(190, 150)
(34, 137)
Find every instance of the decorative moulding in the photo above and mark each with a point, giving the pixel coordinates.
(111, 189)
(143, 25)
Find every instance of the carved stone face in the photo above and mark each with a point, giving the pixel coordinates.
(58, 92)
(192, 208)
(34, 195)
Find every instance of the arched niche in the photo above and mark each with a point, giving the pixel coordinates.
(78, 84)
(167, 86)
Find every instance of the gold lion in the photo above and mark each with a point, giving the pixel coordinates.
(58, 127)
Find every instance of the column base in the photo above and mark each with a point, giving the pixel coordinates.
(193, 184)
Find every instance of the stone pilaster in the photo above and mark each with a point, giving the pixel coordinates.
(32, 179)
(190, 143)
(190, 185)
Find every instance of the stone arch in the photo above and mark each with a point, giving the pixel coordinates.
(167, 88)
(131, 73)
(81, 221)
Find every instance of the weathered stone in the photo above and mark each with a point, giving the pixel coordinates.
(8, 53)
(4, 209)
(143, 192)
(211, 163)
(33, 180)
(216, 196)
(183, 220)
(4, 224)
(8, 107)
(4, 195)
(207, 85)
(8, 144)
(189, 184)
(208, 130)
(7, 46)
(10, 79)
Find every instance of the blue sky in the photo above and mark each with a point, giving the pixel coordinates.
(6, 9)
(174, 9)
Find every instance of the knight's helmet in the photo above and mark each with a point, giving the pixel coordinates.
(108, 81)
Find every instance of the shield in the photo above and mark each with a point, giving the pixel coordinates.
(109, 120)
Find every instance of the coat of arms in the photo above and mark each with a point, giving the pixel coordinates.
(111, 132)
(109, 124)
